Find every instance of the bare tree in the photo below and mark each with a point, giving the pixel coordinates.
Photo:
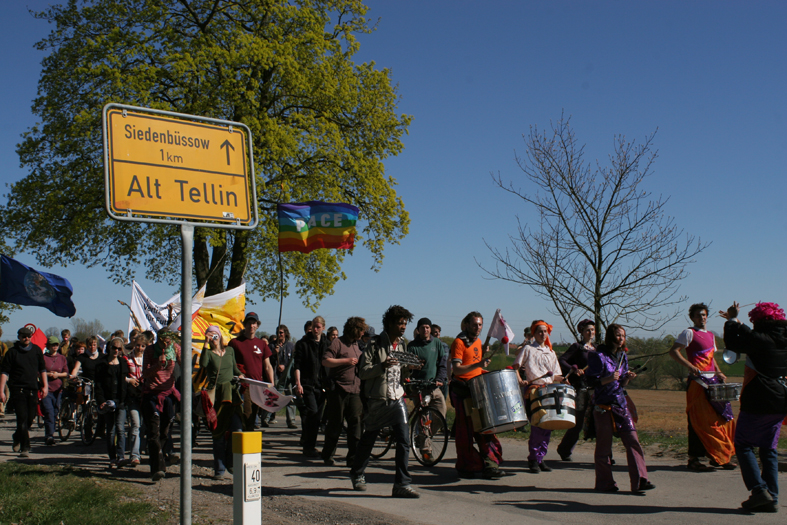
(84, 329)
(603, 248)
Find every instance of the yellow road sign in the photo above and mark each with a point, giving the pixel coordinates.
(166, 167)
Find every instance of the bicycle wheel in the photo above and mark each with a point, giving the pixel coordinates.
(87, 430)
(428, 436)
(383, 442)
(66, 419)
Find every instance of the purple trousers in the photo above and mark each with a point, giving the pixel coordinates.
(634, 455)
(538, 443)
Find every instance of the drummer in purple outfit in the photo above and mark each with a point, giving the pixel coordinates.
(540, 365)
(608, 371)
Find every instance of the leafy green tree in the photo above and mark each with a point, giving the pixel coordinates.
(322, 126)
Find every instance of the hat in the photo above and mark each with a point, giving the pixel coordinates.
(422, 321)
(369, 331)
(213, 328)
(252, 315)
(25, 330)
(52, 340)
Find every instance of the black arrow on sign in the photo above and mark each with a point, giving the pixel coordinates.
(228, 145)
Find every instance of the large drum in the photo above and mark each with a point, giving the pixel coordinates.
(553, 407)
(499, 402)
(725, 392)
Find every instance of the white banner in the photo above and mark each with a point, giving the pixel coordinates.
(150, 315)
(265, 396)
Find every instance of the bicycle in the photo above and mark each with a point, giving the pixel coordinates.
(429, 431)
(79, 410)
(67, 415)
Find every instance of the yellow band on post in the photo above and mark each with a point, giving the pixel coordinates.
(246, 442)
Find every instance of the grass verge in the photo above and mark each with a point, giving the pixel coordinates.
(42, 495)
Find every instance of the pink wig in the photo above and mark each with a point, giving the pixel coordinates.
(766, 312)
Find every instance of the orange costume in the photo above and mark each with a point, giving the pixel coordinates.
(489, 454)
(714, 431)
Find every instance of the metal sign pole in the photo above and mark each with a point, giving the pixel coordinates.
(163, 167)
(186, 392)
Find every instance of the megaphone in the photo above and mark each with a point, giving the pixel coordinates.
(730, 356)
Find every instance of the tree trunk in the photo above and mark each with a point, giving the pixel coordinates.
(217, 261)
(201, 257)
(239, 259)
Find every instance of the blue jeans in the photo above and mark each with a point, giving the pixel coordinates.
(135, 427)
(222, 448)
(116, 435)
(769, 479)
(50, 405)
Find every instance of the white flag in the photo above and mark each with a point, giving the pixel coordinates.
(500, 330)
(265, 396)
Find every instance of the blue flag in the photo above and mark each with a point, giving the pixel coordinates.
(20, 284)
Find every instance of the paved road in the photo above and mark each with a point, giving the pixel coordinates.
(563, 496)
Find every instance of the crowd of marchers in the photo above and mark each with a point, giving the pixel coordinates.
(356, 382)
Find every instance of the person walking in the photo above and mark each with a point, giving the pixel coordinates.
(111, 394)
(220, 367)
(609, 372)
(56, 371)
(763, 400)
(343, 401)
(23, 369)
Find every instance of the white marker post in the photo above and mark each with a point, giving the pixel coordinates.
(247, 478)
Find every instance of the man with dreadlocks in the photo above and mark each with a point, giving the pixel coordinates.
(711, 425)
(382, 376)
(763, 400)
(159, 396)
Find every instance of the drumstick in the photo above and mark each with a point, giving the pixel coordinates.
(620, 361)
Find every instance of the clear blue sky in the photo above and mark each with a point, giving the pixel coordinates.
(710, 75)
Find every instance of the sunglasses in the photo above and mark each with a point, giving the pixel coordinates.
(117, 348)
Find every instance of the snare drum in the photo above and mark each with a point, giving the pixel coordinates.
(725, 392)
(499, 402)
(553, 407)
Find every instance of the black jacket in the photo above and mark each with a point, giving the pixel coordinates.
(308, 359)
(112, 385)
(577, 355)
(766, 346)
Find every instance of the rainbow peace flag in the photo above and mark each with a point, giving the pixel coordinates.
(307, 226)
